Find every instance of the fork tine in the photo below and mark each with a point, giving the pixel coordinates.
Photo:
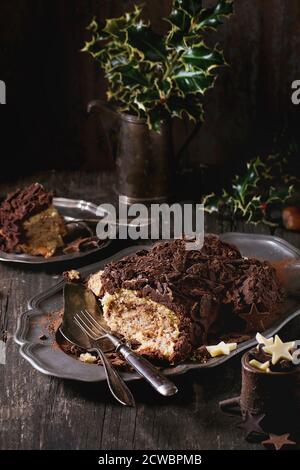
(95, 330)
(88, 317)
(84, 317)
(92, 319)
(84, 327)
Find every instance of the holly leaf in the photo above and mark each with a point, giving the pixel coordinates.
(145, 42)
(158, 76)
(128, 75)
(201, 57)
(179, 106)
(280, 195)
(193, 81)
(155, 117)
(147, 99)
(116, 27)
(179, 20)
(164, 87)
(191, 7)
(213, 17)
(242, 184)
(211, 203)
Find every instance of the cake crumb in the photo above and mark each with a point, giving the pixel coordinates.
(72, 276)
(87, 358)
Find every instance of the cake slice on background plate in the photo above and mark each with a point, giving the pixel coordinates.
(29, 223)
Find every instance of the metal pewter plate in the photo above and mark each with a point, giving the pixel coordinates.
(70, 209)
(48, 358)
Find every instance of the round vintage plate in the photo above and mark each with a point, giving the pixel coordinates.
(70, 209)
(48, 358)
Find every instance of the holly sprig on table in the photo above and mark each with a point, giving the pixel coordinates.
(158, 76)
(251, 194)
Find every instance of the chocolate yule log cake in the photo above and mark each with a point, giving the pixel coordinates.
(168, 301)
(29, 223)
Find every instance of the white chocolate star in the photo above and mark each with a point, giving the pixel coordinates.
(279, 350)
(221, 349)
(262, 340)
(263, 366)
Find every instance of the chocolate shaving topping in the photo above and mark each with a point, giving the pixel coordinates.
(198, 285)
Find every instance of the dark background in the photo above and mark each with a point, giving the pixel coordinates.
(44, 124)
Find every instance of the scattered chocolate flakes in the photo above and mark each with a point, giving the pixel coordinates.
(43, 337)
(83, 244)
(235, 338)
(115, 359)
(201, 355)
(54, 322)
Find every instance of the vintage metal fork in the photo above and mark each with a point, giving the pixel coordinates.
(96, 331)
(115, 382)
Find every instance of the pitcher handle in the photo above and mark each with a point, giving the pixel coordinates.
(188, 140)
(101, 105)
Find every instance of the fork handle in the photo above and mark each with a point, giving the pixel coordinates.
(116, 384)
(159, 382)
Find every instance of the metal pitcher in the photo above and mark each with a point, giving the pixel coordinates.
(144, 158)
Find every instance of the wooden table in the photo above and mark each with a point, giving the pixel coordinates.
(41, 412)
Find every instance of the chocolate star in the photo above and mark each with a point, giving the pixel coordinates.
(279, 441)
(254, 319)
(251, 424)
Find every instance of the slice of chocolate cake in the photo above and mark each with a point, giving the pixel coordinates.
(29, 223)
(168, 300)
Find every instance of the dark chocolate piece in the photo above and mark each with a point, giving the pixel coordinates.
(255, 320)
(83, 244)
(252, 425)
(279, 442)
(43, 337)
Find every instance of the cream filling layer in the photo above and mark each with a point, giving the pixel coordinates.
(152, 325)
